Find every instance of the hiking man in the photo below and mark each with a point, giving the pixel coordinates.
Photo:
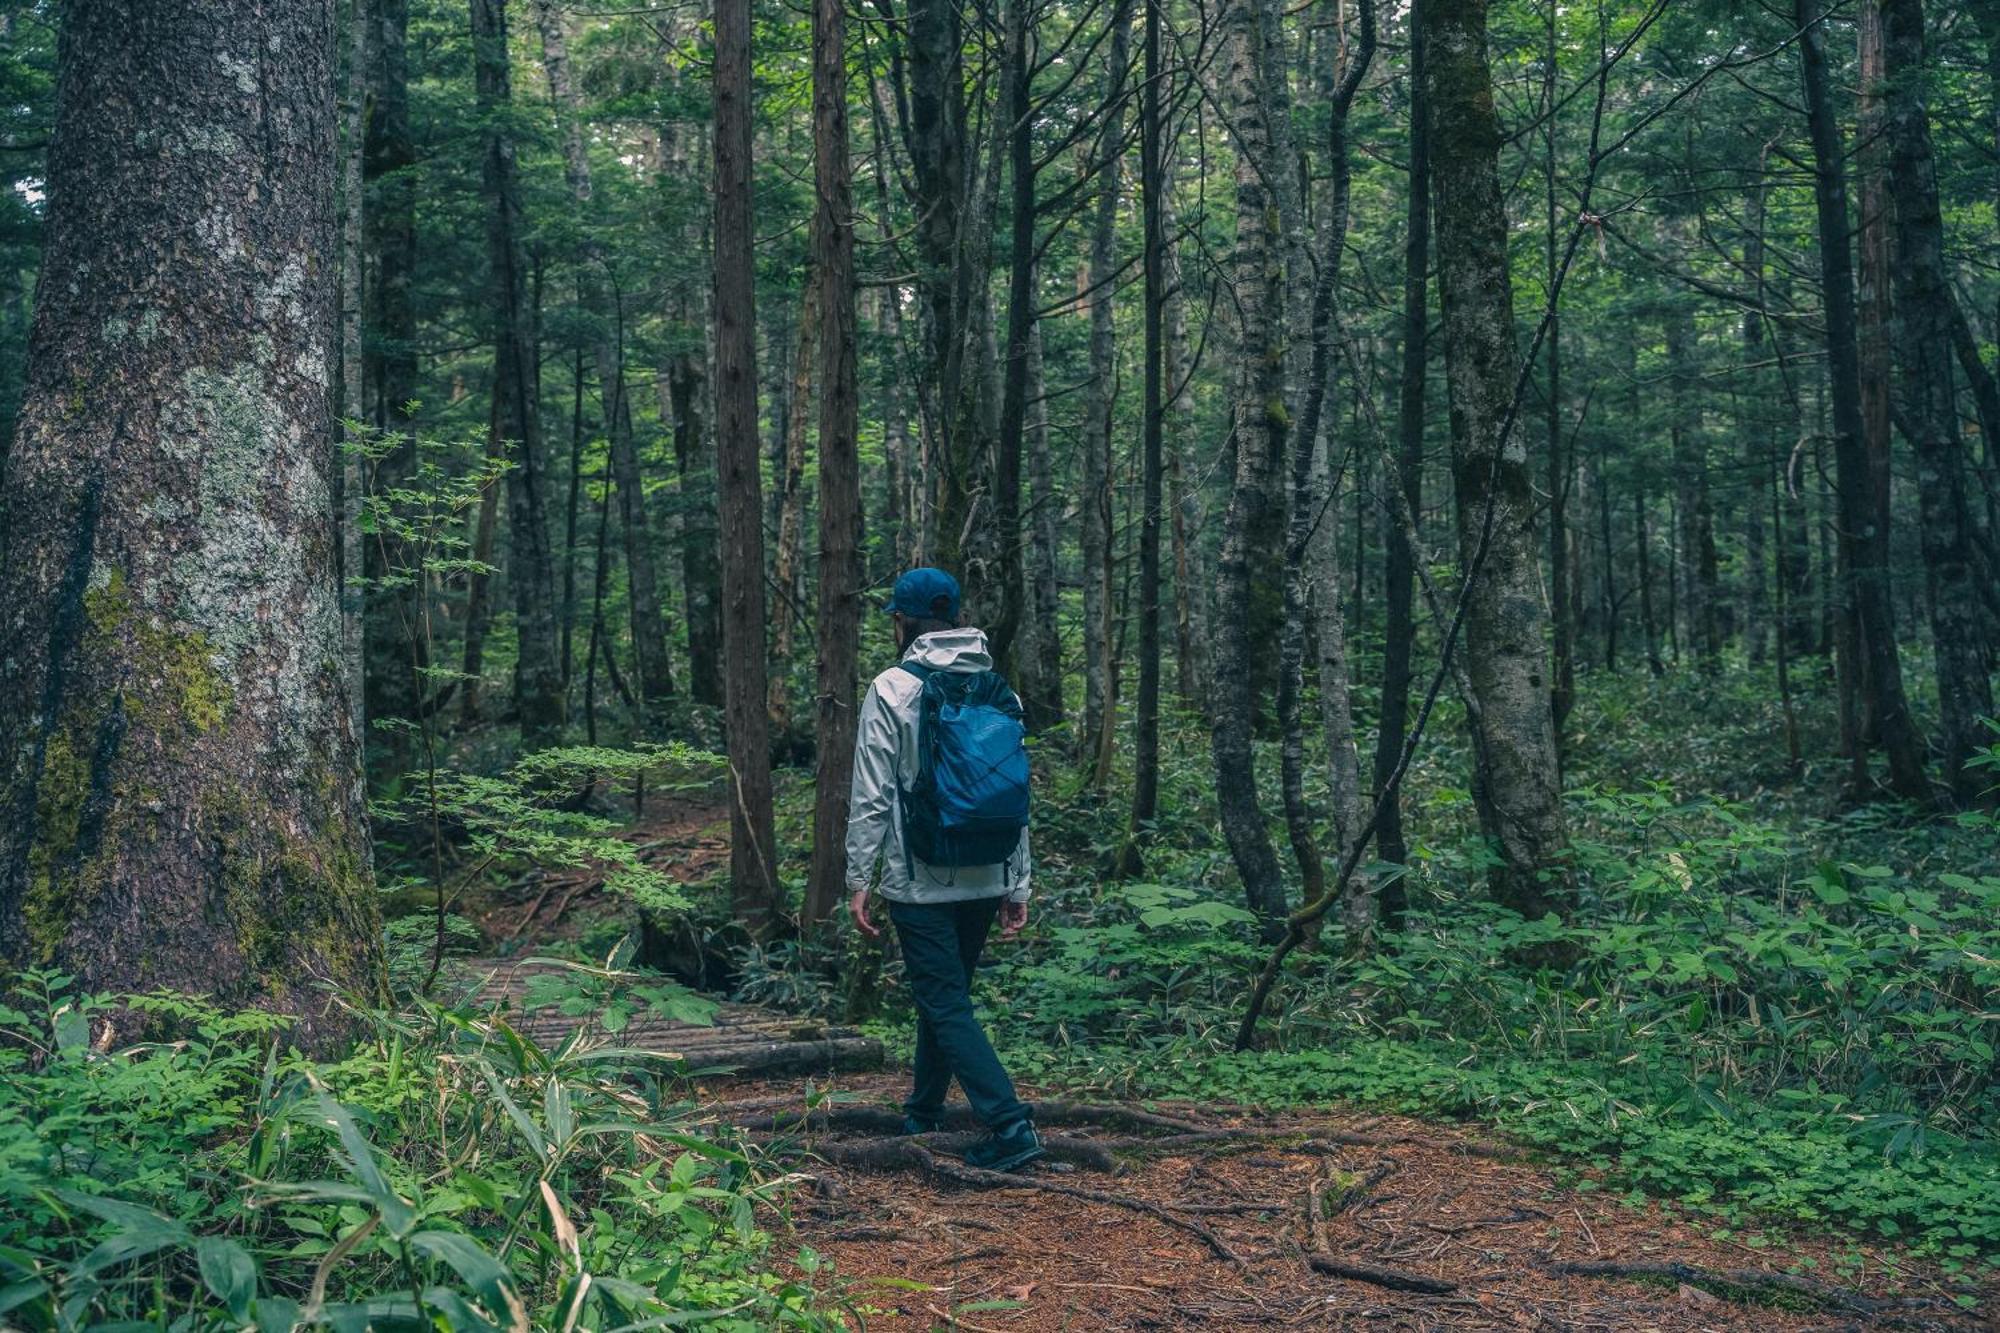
(940, 798)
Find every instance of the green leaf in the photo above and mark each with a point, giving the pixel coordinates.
(229, 1272)
(486, 1275)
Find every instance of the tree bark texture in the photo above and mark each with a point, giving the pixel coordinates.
(1399, 625)
(1871, 646)
(838, 621)
(1258, 428)
(180, 776)
(1518, 785)
(1922, 337)
(1098, 738)
(740, 503)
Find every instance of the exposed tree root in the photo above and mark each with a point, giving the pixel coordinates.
(909, 1155)
(1744, 1279)
(1395, 1279)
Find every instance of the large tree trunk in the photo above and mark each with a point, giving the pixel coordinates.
(753, 868)
(1517, 787)
(538, 686)
(182, 783)
(348, 477)
(1258, 426)
(838, 623)
(600, 298)
(395, 647)
(1863, 543)
(1399, 626)
(1923, 340)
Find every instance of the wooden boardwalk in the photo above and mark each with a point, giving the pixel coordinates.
(743, 1038)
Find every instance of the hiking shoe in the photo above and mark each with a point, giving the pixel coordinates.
(923, 1124)
(1007, 1151)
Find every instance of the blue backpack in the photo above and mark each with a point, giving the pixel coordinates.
(970, 801)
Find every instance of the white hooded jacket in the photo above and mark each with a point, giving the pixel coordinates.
(885, 765)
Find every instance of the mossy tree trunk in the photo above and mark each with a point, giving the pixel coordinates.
(181, 778)
(1517, 783)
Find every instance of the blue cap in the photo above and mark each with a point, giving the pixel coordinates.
(926, 594)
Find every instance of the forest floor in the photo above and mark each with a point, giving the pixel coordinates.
(1202, 1217)
(1493, 1236)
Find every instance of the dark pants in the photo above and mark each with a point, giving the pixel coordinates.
(941, 944)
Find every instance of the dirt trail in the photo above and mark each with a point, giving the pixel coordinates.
(1490, 1232)
(1498, 1240)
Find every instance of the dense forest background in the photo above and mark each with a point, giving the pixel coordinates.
(1492, 509)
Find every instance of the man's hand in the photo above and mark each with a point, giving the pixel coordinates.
(857, 903)
(1013, 916)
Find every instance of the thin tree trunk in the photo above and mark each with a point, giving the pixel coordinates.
(1191, 584)
(1006, 625)
(838, 622)
(1694, 519)
(1562, 627)
(1146, 732)
(1044, 641)
(1650, 624)
(180, 782)
(1099, 736)
(752, 846)
(788, 566)
(1864, 543)
(1312, 551)
(517, 417)
(1258, 428)
(599, 297)
(395, 649)
(1399, 626)
(1923, 336)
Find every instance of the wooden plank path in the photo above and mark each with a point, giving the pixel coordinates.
(744, 1038)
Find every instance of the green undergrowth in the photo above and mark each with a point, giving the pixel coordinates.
(446, 1175)
(1770, 1009)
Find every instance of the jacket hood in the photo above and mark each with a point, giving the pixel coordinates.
(952, 650)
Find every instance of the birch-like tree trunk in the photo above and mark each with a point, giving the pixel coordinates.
(1259, 424)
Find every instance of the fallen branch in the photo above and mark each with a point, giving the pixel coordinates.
(907, 1154)
(1743, 1279)
(1063, 1148)
(1395, 1279)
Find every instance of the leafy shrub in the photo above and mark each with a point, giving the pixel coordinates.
(448, 1174)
